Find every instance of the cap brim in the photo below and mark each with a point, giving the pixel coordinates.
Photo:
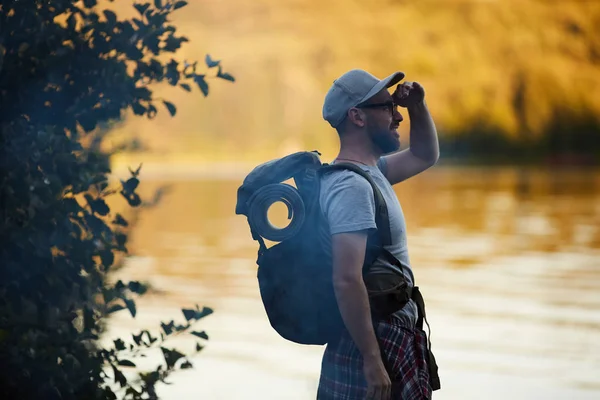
(384, 84)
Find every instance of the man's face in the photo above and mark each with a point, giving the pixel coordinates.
(383, 120)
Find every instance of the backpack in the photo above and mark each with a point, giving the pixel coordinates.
(295, 274)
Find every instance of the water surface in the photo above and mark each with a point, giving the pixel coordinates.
(508, 262)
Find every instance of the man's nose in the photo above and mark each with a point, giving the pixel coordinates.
(398, 117)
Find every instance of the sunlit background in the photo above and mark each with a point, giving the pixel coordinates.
(504, 233)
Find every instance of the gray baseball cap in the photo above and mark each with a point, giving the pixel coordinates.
(351, 89)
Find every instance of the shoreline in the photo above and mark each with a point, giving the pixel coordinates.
(157, 169)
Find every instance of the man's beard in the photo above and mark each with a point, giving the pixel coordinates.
(384, 140)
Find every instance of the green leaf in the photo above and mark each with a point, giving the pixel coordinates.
(108, 294)
(179, 4)
(142, 93)
(115, 308)
(71, 22)
(150, 378)
(107, 257)
(201, 82)
(99, 206)
(137, 287)
(71, 205)
(119, 344)
(205, 312)
(225, 75)
(168, 328)
(88, 197)
(142, 7)
(157, 18)
(137, 338)
(185, 87)
(158, 4)
(137, 171)
(151, 339)
(126, 363)
(133, 199)
(121, 239)
(201, 335)
(172, 73)
(210, 63)
(133, 392)
(137, 108)
(138, 22)
(131, 307)
(196, 314)
(110, 395)
(180, 328)
(188, 314)
(119, 377)
(171, 107)
(151, 111)
(111, 17)
(171, 356)
(199, 347)
(119, 220)
(186, 365)
(130, 186)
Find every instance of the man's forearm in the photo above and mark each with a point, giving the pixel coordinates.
(423, 134)
(353, 302)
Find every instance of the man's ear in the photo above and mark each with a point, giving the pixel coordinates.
(357, 117)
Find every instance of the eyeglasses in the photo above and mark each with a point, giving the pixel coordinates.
(390, 105)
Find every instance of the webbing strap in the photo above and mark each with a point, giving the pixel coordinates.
(262, 246)
(434, 377)
(418, 299)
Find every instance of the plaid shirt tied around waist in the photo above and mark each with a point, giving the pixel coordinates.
(406, 355)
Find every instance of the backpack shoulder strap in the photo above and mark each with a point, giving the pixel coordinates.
(381, 212)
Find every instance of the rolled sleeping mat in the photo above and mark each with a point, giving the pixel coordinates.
(259, 205)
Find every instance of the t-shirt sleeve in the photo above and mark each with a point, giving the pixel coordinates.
(382, 165)
(349, 204)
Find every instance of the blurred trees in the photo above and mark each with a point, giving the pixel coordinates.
(525, 73)
(67, 72)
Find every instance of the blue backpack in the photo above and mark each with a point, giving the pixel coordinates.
(295, 273)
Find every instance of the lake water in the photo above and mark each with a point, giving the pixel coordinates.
(508, 262)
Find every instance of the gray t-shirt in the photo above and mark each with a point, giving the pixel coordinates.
(348, 202)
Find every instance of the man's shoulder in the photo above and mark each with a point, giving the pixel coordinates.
(344, 178)
(344, 188)
(347, 201)
(347, 176)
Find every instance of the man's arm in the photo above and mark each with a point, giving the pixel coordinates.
(423, 152)
(350, 209)
(351, 293)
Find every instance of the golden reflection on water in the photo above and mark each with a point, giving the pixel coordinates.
(508, 260)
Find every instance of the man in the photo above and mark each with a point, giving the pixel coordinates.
(366, 117)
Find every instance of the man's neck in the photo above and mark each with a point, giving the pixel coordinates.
(357, 156)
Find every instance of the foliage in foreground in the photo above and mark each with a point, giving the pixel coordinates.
(66, 70)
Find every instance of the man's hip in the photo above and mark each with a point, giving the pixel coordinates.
(405, 352)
